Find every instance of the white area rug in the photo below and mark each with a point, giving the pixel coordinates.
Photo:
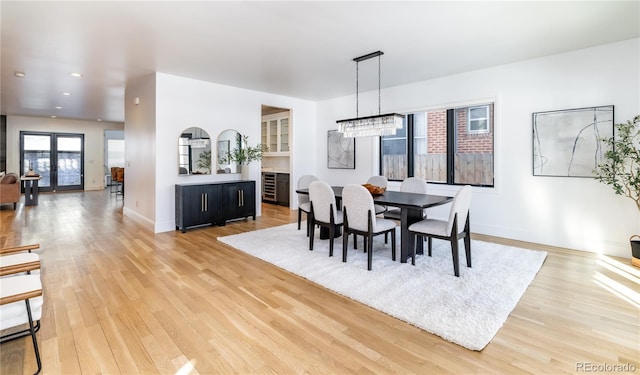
(468, 310)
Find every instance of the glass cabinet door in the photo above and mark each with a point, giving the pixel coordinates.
(273, 136)
(284, 135)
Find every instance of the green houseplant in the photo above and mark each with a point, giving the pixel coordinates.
(245, 154)
(621, 169)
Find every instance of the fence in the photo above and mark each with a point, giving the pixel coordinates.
(473, 169)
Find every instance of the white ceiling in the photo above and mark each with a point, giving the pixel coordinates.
(298, 49)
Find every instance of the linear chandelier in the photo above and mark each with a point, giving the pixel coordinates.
(370, 125)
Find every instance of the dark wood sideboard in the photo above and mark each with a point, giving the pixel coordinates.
(200, 204)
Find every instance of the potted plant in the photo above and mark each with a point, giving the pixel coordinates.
(621, 169)
(245, 154)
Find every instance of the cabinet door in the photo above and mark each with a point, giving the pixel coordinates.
(237, 201)
(283, 135)
(248, 199)
(282, 181)
(195, 205)
(273, 136)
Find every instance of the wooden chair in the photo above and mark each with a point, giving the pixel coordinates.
(21, 297)
(304, 204)
(448, 230)
(323, 212)
(19, 259)
(360, 219)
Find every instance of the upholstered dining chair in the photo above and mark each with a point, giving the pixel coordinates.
(323, 211)
(449, 230)
(360, 219)
(408, 185)
(380, 181)
(303, 199)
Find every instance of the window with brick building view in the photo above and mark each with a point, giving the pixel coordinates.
(453, 146)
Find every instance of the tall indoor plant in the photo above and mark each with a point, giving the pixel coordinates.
(244, 154)
(621, 169)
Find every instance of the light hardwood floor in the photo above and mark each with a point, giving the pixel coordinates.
(122, 300)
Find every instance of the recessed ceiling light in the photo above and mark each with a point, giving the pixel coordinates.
(99, 119)
(19, 74)
(79, 75)
(58, 107)
(53, 116)
(66, 93)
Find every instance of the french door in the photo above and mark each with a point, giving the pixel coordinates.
(57, 157)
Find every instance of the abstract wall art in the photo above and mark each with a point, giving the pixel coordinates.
(341, 151)
(567, 142)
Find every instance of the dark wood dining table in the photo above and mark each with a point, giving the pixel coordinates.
(411, 207)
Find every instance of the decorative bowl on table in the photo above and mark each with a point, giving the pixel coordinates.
(375, 190)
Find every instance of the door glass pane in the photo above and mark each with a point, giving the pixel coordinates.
(68, 168)
(69, 171)
(37, 156)
(69, 144)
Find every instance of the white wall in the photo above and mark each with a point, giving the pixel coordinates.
(183, 103)
(93, 142)
(140, 147)
(577, 213)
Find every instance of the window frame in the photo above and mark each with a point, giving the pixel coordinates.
(451, 141)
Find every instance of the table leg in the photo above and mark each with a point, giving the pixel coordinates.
(408, 216)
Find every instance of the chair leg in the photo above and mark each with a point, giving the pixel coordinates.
(355, 241)
(393, 245)
(33, 337)
(345, 242)
(429, 240)
(311, 235)
(386, 235)
(331, 232)
(455, 256)
(369, 241)
(299, 218)
(413, 239)
(467, 249)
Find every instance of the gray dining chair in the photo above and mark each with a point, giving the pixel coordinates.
(408, 185)
(447, 230)
(303, 199)
(360, 219)
(323, 212)
(380, 181)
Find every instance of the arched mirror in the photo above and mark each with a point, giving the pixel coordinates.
(228, 140)
(194, 152)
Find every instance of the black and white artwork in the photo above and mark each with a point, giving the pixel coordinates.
(568, 142)
(341, 151)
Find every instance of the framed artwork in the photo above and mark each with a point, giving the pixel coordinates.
(223, 150)
(567, 143)
(341, 151)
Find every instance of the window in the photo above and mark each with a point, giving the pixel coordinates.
(478, 120)
(451, 145)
